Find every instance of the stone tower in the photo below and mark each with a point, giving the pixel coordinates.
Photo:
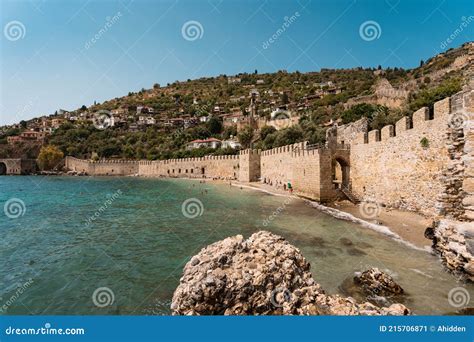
(249, 165)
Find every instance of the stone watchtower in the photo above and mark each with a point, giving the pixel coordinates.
(331, 137)
(249, 165)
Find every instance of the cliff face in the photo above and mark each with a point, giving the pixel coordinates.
(263, 275)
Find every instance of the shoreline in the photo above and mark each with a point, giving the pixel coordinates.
(411, 240)
(391, 223)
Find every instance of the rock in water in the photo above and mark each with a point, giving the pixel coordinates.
(263, 275)
(377, 283)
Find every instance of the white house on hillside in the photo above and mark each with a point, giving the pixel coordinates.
(199, 143)
(232, 143)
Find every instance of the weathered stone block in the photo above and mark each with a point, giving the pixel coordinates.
(442, 108)
(468, 202)
(469, 214)
(374, 136)
(361, 138)
(468, 185)
(420, 116)
(402, 125)
(387, 132)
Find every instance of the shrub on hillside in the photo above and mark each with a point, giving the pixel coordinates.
(427, 97)
(49, 157)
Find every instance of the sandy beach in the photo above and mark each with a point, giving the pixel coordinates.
(409, 226)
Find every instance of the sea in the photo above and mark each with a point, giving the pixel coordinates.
(118, 245)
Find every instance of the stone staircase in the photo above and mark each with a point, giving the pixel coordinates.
(350, 196)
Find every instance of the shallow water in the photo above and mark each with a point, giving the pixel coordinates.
(138, 244)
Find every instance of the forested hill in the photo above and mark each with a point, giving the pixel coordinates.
(316, 99)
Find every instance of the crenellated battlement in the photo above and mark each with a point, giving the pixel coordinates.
(402, 165)
(114, 161)
(249, 151)
(287, 149)
(420, 120)
(198, 159)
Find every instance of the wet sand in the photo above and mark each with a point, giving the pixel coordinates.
(410, 226)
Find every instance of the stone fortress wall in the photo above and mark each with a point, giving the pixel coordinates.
(17, 166)
(106, 167)
(424, 163)
(453, 229)
(401, 166)
(308, 170)
(348, 133)
(221, 167)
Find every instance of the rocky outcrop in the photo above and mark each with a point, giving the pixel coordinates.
(454, 240)
(377, 283)
(374, 286)
(263, 275)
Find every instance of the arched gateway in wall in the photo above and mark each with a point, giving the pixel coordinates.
(10, 166)
(335, 179)
(340, 172)
(3, 168)
(17, 166)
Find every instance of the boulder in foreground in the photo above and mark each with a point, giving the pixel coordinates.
(378, 283)
(263, 275)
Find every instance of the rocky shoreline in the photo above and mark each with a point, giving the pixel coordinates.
(266, 275)
(454, 241)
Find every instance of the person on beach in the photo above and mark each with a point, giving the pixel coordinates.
(290, 188)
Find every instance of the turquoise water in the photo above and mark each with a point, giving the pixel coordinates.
(137, 245)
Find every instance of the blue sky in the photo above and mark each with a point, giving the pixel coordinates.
(49, 61)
